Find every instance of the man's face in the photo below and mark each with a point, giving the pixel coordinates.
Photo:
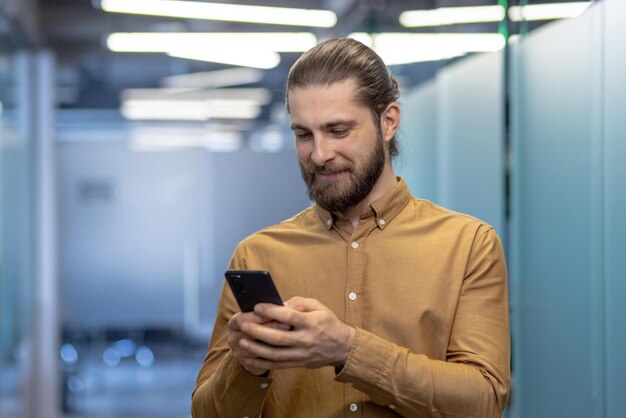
(340, 147)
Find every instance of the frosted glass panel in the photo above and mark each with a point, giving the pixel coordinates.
(555, 126)
(417, 138)
(470, 123)
(615, 201)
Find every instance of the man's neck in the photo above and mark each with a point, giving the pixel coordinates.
(385, 182)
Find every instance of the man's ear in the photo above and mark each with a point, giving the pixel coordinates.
(390, 121)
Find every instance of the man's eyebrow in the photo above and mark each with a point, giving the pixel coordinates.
(338, 122)
(298, 126)
(327, 125)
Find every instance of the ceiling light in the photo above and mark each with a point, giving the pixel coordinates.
(206, 41)
(476, 14)
(404, 48)
(212, 79)
(256, 96)
(169, 41)
(190, 110)
(222, 11)
(451, 16)
(245, 58)
(548, 11)
(193, 105)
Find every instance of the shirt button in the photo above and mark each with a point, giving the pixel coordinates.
(381, 222)
(264, 385)
(392, 406)
(329, 222)
(355, 245)
(353, 407)
(352, 296)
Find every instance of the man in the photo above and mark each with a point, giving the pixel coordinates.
(395, 306)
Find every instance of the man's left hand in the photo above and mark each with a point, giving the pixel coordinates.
(317, 337)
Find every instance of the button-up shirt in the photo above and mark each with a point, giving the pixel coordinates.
(426, 290)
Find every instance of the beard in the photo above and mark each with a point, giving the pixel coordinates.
(336, 196)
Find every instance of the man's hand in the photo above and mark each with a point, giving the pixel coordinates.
(235, 335)
(316, 337)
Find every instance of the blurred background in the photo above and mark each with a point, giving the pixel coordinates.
(141, 140)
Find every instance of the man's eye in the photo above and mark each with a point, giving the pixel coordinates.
(302, 136)
(340, 133)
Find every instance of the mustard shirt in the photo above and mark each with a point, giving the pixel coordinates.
(426, 289)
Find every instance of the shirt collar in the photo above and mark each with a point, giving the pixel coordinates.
(384, 209)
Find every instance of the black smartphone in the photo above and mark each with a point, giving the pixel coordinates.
(251, 287)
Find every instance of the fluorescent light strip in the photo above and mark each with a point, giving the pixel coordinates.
(202, 41)
(264, 60)
(191, 110)
(212, 79)
(548, 11)
(404, 48)
(255, 50)
(251, 96)
(451, 16)
(225, 12)
(458, 15)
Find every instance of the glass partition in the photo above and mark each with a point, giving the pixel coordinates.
(556, 138)
(562, 196)
(16, 229)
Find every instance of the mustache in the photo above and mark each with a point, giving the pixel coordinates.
(326, 169)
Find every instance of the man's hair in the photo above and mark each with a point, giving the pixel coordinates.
(338, 60)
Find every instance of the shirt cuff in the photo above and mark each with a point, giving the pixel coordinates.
(366, 364)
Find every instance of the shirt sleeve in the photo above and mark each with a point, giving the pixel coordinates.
(473, 381)
(224, 389)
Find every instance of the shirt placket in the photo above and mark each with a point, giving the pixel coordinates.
(355, 304)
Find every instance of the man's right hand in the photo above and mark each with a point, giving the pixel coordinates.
(235, 335)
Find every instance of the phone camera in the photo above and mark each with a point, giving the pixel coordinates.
(238, 285)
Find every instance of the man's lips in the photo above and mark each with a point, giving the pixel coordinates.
(330, 175)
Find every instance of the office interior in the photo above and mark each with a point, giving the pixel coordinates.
(121, 199)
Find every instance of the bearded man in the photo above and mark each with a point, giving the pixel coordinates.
(395, 306)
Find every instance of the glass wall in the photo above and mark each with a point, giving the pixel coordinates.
(16, 234)
(558, 190)
(563, 209)
(614, 205)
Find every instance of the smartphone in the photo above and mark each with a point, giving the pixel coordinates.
(251, 287)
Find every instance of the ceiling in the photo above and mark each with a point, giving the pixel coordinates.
(91, 77)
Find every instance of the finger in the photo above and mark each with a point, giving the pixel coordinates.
(278, 325)
(281, 314)
(234, 324)
(255, 349)
(270, 335)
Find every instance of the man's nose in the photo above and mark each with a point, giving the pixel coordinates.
(323, 151)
